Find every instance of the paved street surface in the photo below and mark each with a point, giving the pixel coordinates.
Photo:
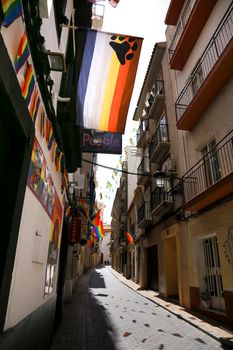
(105, 314)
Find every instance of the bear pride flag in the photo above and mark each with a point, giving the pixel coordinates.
(106, 66)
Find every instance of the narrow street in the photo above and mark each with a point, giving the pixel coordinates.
(106, 314)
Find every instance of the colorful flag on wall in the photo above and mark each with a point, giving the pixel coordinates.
(28, 85)
(12, 9)
(35, 105)
(22, 53)
(106, 66)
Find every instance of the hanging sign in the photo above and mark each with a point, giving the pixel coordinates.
(102, 142)
(75, 230)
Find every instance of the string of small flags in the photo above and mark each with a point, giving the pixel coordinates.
(12, 9)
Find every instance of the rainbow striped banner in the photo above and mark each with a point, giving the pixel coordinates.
(22, 53)
(50, 138)
(12, 9)
(107, 66)
(28, 85)
(35, 105)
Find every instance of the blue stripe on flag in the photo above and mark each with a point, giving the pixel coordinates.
(84, 74)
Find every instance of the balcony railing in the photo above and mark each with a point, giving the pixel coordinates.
(161, 135)
(161, 201)
(143, 168)
(213, 168)
(144, 214)
(180, 26)
(156, 93)
(212, 53)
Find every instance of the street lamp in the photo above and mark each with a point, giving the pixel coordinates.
(160, 176)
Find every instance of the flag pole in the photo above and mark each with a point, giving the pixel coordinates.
(69, 26)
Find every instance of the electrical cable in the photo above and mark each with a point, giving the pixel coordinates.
(114, 169)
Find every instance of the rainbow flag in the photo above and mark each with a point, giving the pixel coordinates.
(98, 232)
(12, 9)
(58, 161)
(129, 238)
(28, 85)
(98, 225)
(22, 53)
(50, 138)
(106, 65)
(35, 106)
(42, 123)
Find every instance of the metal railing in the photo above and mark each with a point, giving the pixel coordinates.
(143, 168)
(159, 196)
(161, 135)
(144, 212)
(213, 51)
(213, 167)
(180, 26)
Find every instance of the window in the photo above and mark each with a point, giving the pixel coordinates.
(211, 163)
(197, 79)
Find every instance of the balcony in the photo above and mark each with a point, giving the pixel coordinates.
(159, 145)
(142, 133)
(144, 215)
(211, 179)
(162, 202)
(173, 12)
(213, 70)
(143, 171)
(190, 24)
(156, 100)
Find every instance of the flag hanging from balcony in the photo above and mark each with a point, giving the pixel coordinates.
(12, 9)
(106, 66)
(129, 238)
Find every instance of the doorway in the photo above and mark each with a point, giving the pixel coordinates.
(152, 268)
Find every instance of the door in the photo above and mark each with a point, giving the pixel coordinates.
(152, 268)
(212, 276)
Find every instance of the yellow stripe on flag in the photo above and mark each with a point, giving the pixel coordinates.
(109, 92)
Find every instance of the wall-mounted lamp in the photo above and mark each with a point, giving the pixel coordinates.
(160, 176)
(56, 61)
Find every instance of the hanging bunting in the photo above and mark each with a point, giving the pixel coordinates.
(35, 105)
(50, 138)
(12, 9)
(48, 128)
(42, 123)
(58, 161)
(28, 85)
(22, 53)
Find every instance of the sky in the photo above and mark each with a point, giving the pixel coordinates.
(137, 18)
